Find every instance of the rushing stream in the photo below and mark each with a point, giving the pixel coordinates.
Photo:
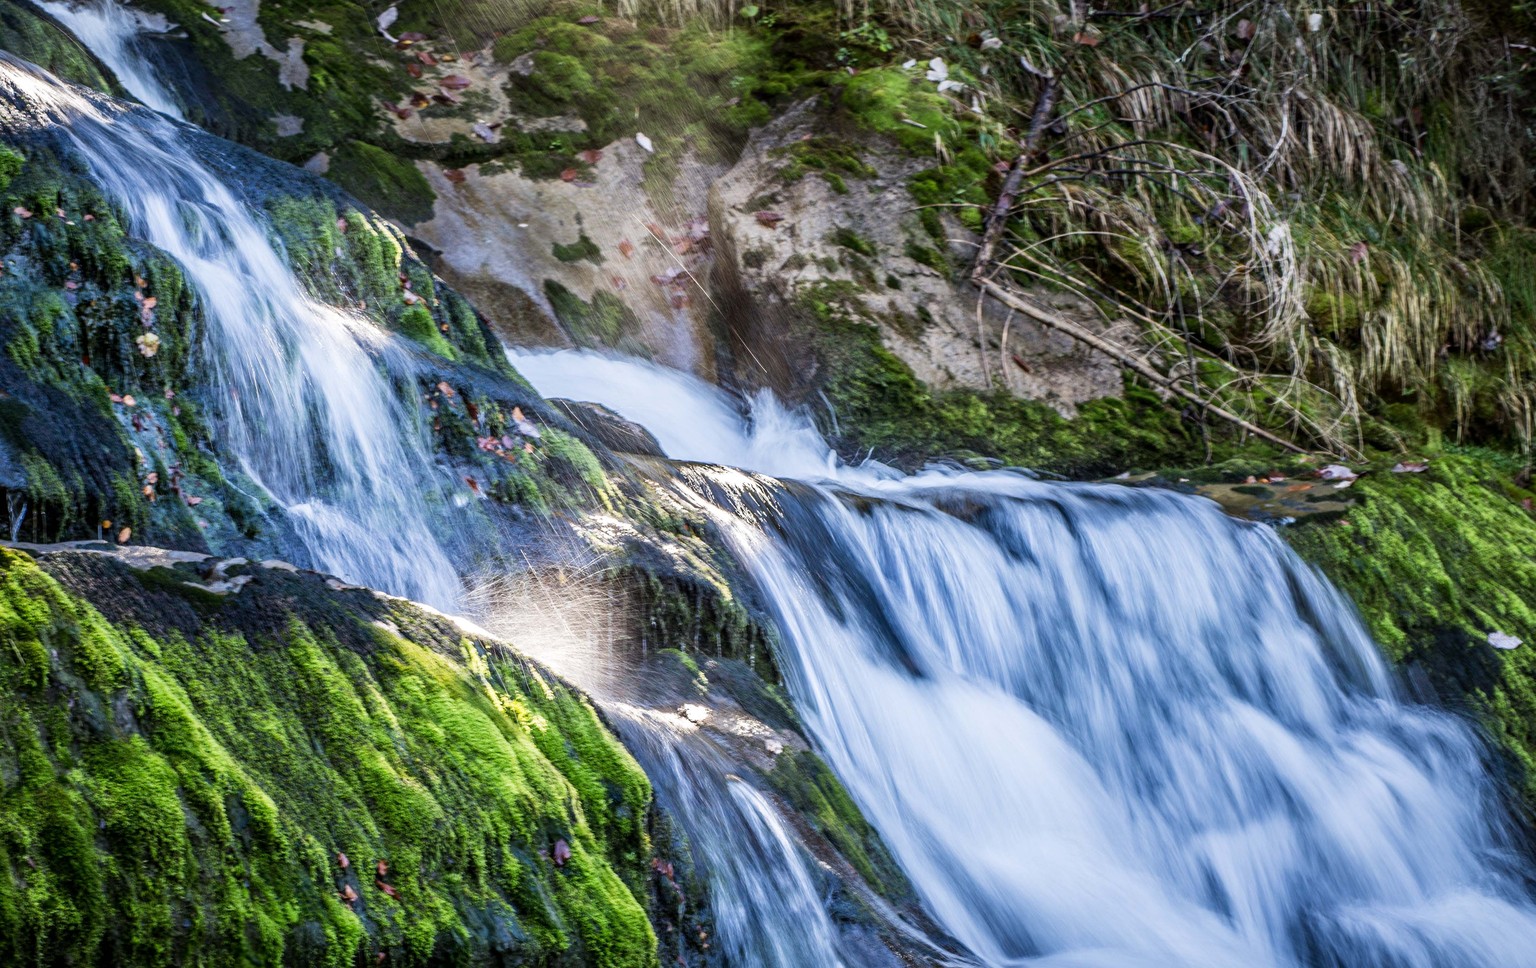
(1101, 726)
(1096, 726)
(309, 395)
(113, 31)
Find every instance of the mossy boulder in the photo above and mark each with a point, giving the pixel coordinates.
(108, 424)
(382, 181)
(31, 34)
(297, 775)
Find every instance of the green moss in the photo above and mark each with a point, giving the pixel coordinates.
(928, 256)
(602, 322)
(241, 97)
(24, 33)
(1435, 562)
(958, 189)
(815, 793)
(582, 248)
(880, 406)
(10, 166)
(685, 86)
(830, 157)
(698, 616)
(889, 100)
(180, 792)
(853, 242)
(383, 181)
(417, 323)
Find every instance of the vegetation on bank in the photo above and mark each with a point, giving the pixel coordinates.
(877, 406)
(1316, 217)
(1441, 564)
(292, 775)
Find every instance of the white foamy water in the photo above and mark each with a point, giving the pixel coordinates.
(767, 911)
(111, 30)
(691, 419)
(1100, 726)
(315, 403)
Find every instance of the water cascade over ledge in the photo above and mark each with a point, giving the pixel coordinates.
(310, 397)
(1097, 727)
(1100, 726)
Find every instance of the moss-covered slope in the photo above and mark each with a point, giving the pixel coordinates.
(1437, 561)
(29, 33)
(297, 775)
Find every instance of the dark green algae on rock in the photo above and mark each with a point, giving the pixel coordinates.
(98, 435)
(297, 774)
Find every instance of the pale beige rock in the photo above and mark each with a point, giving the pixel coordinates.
(496, 230)
(245, 37)
(942, 329)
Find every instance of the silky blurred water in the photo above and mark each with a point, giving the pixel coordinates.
(112, 30)
(766, 908)
(1096, 726)
(1102, 726)
(316, 403)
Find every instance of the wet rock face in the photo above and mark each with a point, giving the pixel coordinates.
(109, 426)
(806, 214)
(610, 429)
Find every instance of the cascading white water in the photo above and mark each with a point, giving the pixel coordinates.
(766, 908)
(309, 397)
(1106, 727)
(111, 29)
(691, 420)
(1096, 726)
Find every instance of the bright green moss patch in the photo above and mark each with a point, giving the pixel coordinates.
(1435, 562)
(417, 323)
(178, 791)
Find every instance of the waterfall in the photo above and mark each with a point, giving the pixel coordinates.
(1098, 727)
(111, 30)
(1103, 726)
(316, 404)
(766, 907)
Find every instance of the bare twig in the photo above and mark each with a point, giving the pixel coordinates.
(1127, 359)
(1045, 106)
